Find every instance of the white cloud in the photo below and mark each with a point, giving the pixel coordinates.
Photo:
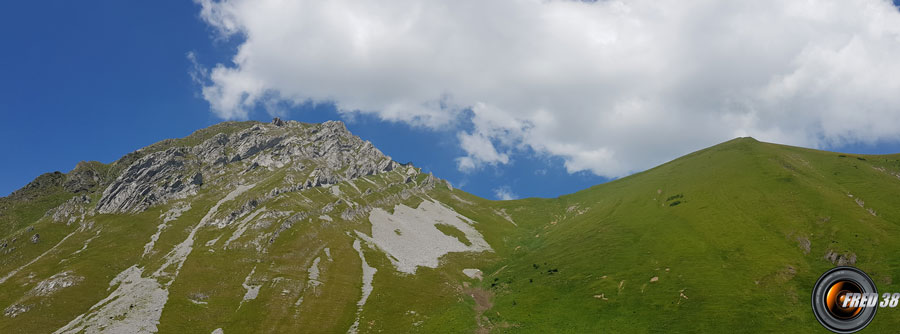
(480, 150)
(504, 194)
(198, 73)
(611, 86)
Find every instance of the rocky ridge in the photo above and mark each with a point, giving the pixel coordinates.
(332, 152)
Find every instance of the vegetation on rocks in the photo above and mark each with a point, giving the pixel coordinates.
(286, 227)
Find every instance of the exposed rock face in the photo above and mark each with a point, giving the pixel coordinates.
(83, 178)
(804, 244)
(212, 151)
(72, 210)
(837, 259)
(15, 310)
(178, 172)
(153, 179)
(197, 179)
(55, 283)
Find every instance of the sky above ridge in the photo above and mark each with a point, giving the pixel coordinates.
(505, 99)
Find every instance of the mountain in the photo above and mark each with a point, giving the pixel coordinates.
(249, 227)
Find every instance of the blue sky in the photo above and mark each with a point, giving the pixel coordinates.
(96, 80)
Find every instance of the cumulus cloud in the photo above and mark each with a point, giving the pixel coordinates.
(611, 87)
(481, 150)
(504, 194)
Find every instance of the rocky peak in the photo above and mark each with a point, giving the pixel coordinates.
(86, 176)
(326, 153)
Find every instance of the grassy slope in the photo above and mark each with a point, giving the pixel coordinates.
(27, 205)
(731, 246)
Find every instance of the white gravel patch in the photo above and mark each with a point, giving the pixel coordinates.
(368, 275)
(419, 242)
(243, 225)
(167, 217)
(352, 184)
(134, 307)
(314, 271)
(502, 213)
(328, 254)
(252, 290)
(87, 242)
(212, 242)
(218, 331)
(370, 181)
(473, 273)
(326, 218)
(335, 190)
(460, 199)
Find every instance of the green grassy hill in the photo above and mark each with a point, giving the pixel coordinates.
(729, 238)
(306, 228)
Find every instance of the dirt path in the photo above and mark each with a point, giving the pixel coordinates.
(483, 303)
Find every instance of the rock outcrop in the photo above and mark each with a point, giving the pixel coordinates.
(153, 179)
(847, 259)
(179, 171)
(72, 210)
(85, 177)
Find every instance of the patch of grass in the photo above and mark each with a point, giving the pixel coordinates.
(18, 214)
(452, 231)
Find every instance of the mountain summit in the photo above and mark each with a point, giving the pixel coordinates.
(249, 227)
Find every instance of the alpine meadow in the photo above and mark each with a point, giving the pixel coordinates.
(289, 227)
